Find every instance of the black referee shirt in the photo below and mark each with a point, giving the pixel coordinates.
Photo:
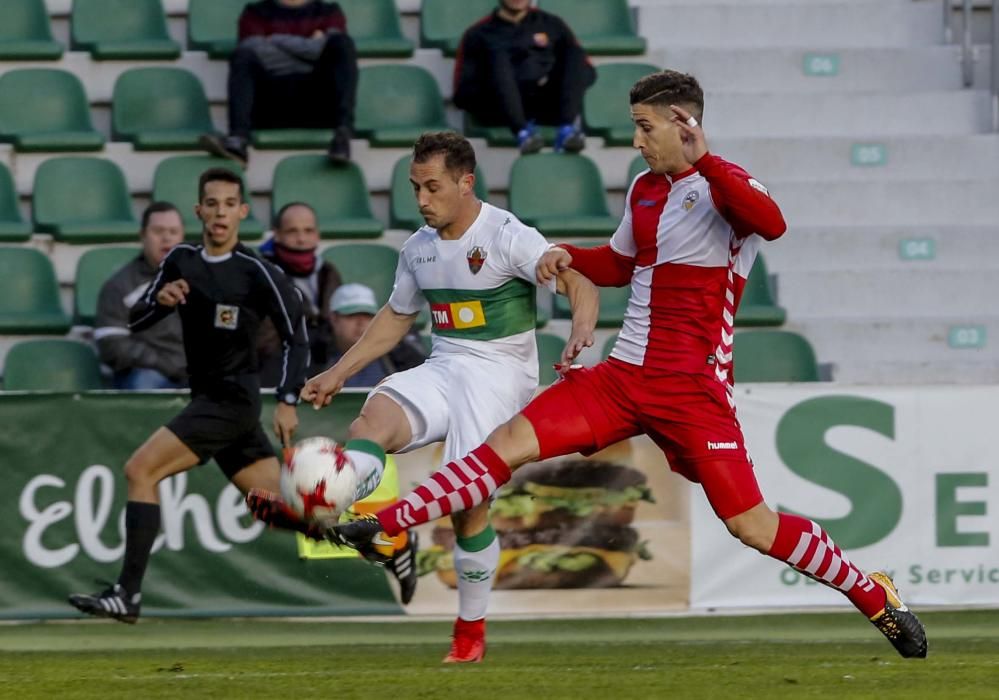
(230, 294)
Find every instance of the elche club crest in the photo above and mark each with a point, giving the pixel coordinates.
(476, 259)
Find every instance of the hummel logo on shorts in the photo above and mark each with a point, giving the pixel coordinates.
(723, 445)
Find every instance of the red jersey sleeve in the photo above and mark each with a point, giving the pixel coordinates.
(603, 265)
(742, 200)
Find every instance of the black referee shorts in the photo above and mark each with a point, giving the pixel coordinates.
(223, 421)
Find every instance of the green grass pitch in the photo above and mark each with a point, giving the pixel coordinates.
(792, 656)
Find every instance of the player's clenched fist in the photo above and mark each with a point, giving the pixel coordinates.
(321, 389)
(173, 293)
(551, 263)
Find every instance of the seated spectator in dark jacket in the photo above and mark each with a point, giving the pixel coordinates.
(153, 358)
(520, 67)
(351, 310)
(294, 67)
(293, 249)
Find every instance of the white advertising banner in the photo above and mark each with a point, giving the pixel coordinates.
(904, 479)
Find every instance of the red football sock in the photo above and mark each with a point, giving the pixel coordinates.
(457, 486)
(808, 548)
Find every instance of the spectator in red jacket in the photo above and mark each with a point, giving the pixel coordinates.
(294, 67)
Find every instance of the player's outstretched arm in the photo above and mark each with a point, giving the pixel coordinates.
(584, 300)
(386, 330)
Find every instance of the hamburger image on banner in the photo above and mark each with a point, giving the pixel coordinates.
(561, 525)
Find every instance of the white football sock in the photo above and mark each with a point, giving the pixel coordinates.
(369, 463)
(476, 571)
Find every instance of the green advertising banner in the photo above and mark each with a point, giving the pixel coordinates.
(62, 518)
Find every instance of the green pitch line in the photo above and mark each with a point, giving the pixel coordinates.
(837, 655)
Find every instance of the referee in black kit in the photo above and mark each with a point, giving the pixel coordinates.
(222, 291)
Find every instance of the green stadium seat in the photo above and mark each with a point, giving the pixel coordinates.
(605, 104)
(44, 109)
(403, 211)
(603, 27)
(83, 200)
(160, 109)
(370, 264)
(291, 139)
(29, 294)
(339, 195)
(212, 25)
(550, 347)
(122, 30)
(52, 365)
(774, 356)
(501, 136)
(608, 347)
(637, 165)
(176, 181)
(13, 229)
(397, 103)
(560, 194)
(374, 27)
(25, 32)
(93, 269)
(443, 22)
(758, 306)
(613, 301)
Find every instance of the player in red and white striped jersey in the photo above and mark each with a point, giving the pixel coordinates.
(686, 243)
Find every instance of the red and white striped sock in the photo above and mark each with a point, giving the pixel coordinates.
(808, 548)
(457, 486)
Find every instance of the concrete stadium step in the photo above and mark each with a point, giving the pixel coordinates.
(862, 248)
(959, 294)
(967, 202)
(819, 24)
(863, 115)
(835, 69)
(888, 350)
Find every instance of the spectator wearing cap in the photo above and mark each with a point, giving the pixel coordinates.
(351, 309)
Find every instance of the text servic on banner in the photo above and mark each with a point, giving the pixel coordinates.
(904, 479)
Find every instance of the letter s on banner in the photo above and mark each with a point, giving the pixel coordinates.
(39, 521)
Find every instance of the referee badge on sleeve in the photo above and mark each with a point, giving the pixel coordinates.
(226, 316)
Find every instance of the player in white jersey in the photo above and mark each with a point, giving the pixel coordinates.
(475, 265)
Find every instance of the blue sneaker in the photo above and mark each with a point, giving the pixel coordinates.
(529, 139)
(569, 139)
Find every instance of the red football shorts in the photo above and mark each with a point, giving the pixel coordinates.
(687, 415)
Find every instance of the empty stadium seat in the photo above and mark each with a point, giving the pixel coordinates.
(25, 32)
(45, 109)
(613, 301)
(370, 264)
(550, 347)
(122, 30)
(212, 25)
(92, 270)
(502, 136)
(29, 294)
(52, 365)
(443, 22)
(159, 109)
(758, 307)
(605, 104)
(404, 212)
(397, 103)
(637, 166)
(603, 27)
(176, 181)
(374, 27)
(774, 356)
(339, 195)
(560, 194)
(83, 200)
(13, 229)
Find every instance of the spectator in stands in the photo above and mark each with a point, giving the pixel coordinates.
(293, 249)
(294, 67)
(351, 309)
(520, 67)
(153, 358)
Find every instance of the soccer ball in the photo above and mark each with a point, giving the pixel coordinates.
(319, 481)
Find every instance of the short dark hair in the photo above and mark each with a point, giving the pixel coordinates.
(459, 156)
(157, 208)
(219, 175)
(279, 214)
(669, 87)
